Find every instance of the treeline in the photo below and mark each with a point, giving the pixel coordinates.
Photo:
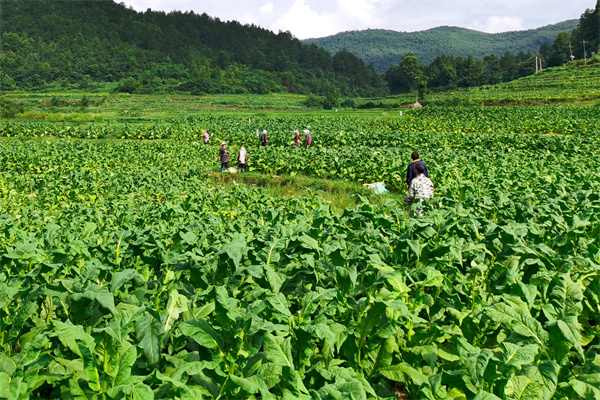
(82, 42)
(449, 72)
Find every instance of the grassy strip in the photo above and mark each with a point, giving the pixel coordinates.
(338, 194)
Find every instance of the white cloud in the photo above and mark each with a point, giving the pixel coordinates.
(318, 18)
(304, 22)
(496, 24)
(266, 8)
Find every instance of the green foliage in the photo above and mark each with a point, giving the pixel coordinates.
(129, 270)
(9, 108)
(124, 270)
(407, 76)
(348, 103)
(313, 101)
(332, 99)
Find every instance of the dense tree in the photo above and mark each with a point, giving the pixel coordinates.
(442, 72)
(492, 72)
(407, 76)
(558, 53)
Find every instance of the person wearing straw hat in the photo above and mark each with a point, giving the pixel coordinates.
(223, 156)
(297, 138)
(308, 139)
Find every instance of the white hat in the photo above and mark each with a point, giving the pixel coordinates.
(223, 143)
(306, 131)
(265, 131)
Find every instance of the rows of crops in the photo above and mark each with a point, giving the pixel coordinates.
(331, 131)
(127, 274)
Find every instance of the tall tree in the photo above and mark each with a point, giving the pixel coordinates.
(407, 76)
(442, 72)
(560, 50)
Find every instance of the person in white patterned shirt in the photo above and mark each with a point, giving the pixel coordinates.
(420, 188)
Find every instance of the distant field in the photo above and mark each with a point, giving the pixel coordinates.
(559, 85)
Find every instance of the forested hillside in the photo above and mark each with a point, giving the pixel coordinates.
(81, 42)
(84, 44)
(382, 48)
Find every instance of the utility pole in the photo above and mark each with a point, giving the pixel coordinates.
(538, 64)
(584, 56)
(572, 57)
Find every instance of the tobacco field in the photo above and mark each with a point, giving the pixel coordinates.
(127, 271)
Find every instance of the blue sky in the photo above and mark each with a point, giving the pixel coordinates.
(312, 19)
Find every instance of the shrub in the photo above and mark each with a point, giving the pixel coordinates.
(314, 101)
(9, 108)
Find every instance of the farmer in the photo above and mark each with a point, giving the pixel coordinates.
(410, 170)
(206, 136)
(297, 138)
(308, 139)
(242, 160)
(420, 187)
(263, 138)
(223, 156)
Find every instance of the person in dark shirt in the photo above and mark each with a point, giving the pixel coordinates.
(410, 170)
(420, 188)
(263, 138)
(223, 156)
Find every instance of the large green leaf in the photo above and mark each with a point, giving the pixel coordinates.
(177, 304)
(352, 390)
(126, 361)
(404, 372)
(587, 386)
(514, 313)
(520, 387)
(516, 356)
(278, 350)
(148, 332)
(546, 375)
(202, 333)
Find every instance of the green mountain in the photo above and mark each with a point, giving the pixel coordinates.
(382, 48)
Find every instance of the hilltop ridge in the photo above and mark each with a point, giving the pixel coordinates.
(382, 48)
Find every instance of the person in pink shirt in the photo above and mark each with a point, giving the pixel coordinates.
(308, 139)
